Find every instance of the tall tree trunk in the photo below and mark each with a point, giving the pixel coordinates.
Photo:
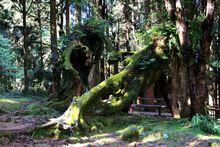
(187, 84)
(127, 29)
(60, 24)
(40, 34)
(206, 40)
(54, 50)
(102, 69)
(78, 17)
(182, 87)
(171, 9)
(61, 20)
(67, 17)
(117, 47)
(25, 47)
(95, 76)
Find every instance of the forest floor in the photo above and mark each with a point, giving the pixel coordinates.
(19, 115)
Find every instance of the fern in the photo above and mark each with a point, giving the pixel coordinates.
(204, 123)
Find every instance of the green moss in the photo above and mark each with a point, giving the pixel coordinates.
(72, 115)
(131, 133)
(132, 77)
(66, 58)
(43, 133)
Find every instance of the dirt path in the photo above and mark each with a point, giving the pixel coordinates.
(14, 126)
(17, 122)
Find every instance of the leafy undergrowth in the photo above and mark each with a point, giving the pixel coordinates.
(145, 129)
(41, 108)
(205, 124)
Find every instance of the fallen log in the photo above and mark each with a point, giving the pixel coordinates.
(143, 68)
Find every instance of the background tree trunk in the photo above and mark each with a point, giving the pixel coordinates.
(25, 47)
(67, 17)
(201, 96)
(54, 49)
(180, 70)
(40, 33)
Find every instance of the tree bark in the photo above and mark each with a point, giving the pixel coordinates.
(25, 47)
(67, 17)
(78, 17)
(54, 50)
(127, 29)
(95, 76)
(40, 34)
(182, 87)
(171, 9)
(60, 23)
(206, 40)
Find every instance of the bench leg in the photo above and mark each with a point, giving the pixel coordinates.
(159, 111)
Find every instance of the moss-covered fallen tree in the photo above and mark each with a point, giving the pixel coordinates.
(143, 68)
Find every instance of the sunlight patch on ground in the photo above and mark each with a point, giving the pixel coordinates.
(207, 137)
(10, 104)
(99, 142)
(153, 137)
(101, 135)
(11, 101)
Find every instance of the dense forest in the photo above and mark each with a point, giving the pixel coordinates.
(80, 62)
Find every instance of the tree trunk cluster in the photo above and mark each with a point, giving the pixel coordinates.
(189, 91)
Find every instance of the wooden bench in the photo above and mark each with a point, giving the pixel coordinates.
(159, 106)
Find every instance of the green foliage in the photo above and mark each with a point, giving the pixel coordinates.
(5, 19)
(145, 62)
(90, 34)
(131, 133)
(41, 133)
(39, 109)
(8, 70)
(162, 29)
(215, 63)
(6, 57)
(195, 31)
(80, 3)
(94, 25)
(173, 43)
(97, 25)
(204, 123)
(113, 56)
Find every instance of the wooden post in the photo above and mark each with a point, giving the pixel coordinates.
(159, 111)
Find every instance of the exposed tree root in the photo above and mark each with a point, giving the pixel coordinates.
(3, 111)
